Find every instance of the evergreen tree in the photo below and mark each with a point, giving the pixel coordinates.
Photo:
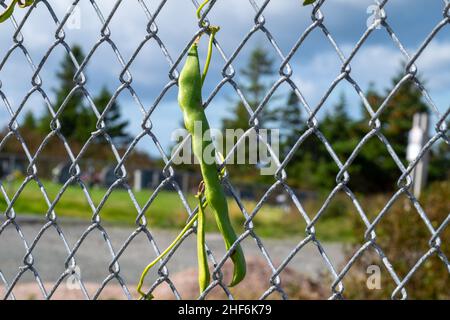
(398, 116)
(29, 121)
(115, 126)
(312, 167)
(337, 125)
(254, 88)
(439, 164)
(74, 118)
(78, 120)
(290, 122)
(374, 166)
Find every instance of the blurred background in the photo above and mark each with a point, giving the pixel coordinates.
(343, 120)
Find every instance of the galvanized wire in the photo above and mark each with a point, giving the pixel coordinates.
(286, 72)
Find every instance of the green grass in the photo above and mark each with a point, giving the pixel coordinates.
(168, 212)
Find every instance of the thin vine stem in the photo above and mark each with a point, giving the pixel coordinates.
(164, 253)
(212, 34)
(200, 7)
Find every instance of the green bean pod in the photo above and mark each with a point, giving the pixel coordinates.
(203, 269)
(190, 101)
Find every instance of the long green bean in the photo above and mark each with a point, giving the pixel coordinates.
(190, 85)
(190, 101)
(203, 269)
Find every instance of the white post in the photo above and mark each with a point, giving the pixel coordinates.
(137, 180)
(418, 137)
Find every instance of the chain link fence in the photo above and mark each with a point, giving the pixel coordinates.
(286, 73)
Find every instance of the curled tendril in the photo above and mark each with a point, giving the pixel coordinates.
(5, 15)
(200, 7)
(211, 31)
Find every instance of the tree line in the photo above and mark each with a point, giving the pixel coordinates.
(78, 118)
(77, 121)
(312, 167)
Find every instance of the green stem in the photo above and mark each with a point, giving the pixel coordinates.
(165, 252)
(212, 34)
(212, 30)
(200, 7)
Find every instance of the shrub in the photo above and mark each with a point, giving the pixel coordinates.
(404, 237)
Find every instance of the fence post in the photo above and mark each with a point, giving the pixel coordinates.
(138, 180)
(417, 138)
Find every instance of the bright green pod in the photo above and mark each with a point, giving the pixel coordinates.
(203, 268)
(190, 101)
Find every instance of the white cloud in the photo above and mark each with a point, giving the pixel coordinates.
(372, 64)
(376, 64)
(376, 61)
(434, 65)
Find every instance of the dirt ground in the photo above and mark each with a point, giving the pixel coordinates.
(255, 284)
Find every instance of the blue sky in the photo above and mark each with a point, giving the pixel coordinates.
(314, 65)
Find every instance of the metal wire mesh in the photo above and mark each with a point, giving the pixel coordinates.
(228, 77)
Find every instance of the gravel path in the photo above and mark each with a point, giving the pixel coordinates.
(93, 256)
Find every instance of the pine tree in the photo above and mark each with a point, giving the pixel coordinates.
(336, 125)
(115, 126)
(398, 116)
(374, 169)
(254, 88)
(439, 168)
(290, 122)
(29, 121)
(74, 119)
(78, 120)
(260, 66)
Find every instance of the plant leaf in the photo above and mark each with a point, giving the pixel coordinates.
(307, 2)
